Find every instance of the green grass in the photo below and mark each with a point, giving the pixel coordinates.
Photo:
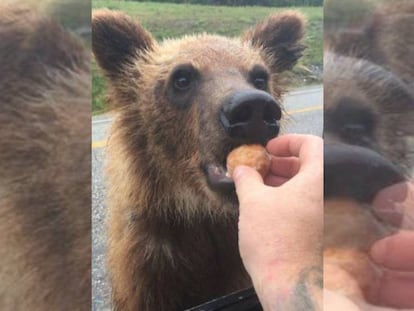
(165, 20)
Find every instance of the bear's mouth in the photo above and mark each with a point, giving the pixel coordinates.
(215, 171)
(217, 178)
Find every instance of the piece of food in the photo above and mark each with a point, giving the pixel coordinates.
(349, 272)
(254, 156)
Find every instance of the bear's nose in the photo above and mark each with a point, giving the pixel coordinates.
(251, 116)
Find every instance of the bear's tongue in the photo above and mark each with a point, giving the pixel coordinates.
(218, 180)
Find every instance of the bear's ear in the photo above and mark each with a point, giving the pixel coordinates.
(116, 40)
(280, 38)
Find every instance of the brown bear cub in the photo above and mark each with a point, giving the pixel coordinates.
(45, 164)
(368, 131)
(182, 105)
(369, 139)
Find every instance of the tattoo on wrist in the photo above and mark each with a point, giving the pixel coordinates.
(306, 293)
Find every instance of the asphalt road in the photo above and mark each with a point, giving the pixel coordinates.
(305, 116)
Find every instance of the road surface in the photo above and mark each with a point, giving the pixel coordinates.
(305, 115)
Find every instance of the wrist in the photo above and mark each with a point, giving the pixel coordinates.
(289, 286)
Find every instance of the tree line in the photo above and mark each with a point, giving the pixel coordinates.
(276, 3)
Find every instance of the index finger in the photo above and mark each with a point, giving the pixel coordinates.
(308, 148)
(395, 252)
(395, 204)
(284, 166)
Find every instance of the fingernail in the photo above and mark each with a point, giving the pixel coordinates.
(391, 196)
(388, 204)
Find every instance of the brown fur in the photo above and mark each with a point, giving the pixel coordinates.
(173, 241)
(44, 165)
(351, 227)
(368, 72)
(383, 37)
(382, 95)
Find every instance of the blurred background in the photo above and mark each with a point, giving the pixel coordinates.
(369, 149)
(74, 15)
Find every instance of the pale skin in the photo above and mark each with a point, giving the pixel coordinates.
(395, 254)
(281, 224)
(281, 227)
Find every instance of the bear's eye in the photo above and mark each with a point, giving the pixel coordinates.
(353, 120)
(259, 78)
(183, 78)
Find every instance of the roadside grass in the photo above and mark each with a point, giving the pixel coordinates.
(166, 20)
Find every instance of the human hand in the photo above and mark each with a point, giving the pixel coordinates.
(281, 222)
(396, 253)
(333, 301)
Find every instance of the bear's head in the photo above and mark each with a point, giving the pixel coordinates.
(370, 108)
(368, 146)
(185, 103)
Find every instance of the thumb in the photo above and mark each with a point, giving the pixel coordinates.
(396, 251)
(246, 180)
